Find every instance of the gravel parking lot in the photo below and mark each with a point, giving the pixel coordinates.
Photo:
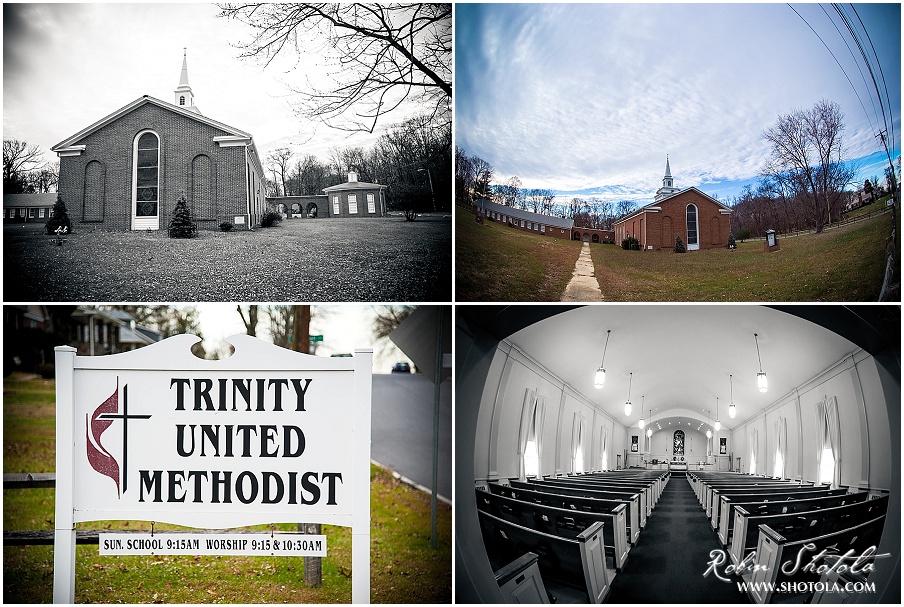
(322, 260)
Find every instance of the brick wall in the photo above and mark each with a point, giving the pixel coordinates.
(304, 205)
(188, 157)
(659, 229)
(361, 200)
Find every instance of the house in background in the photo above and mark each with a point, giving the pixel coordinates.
(128, 170)
(94, 332)
(28, 208)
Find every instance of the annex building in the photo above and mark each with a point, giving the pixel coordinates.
(127, 170)
(701, 221)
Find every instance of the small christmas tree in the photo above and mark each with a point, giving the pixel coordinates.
(59, 219)
(731, 242)
(182, 225)
(679, 246)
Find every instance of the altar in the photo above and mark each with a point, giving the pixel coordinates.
(678, 465)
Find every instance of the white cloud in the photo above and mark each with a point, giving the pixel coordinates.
(573, 96)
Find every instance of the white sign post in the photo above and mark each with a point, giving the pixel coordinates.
(265, 436)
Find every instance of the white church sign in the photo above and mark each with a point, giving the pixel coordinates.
(265, 436)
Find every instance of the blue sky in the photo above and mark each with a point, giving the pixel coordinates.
(574, 96)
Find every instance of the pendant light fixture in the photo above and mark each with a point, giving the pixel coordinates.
(731, 408)
(600, 377)
(717, 426)
(628, 403)
(641, 423)
(761, 376)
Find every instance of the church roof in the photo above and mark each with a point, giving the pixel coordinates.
(353, 185)
(654, 206)
(141, 101)
(29, 200)
(559, 222)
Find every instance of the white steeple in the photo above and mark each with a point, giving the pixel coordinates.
(184, 97)
(667, 188)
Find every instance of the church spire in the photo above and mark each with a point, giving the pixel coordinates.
(184, 96)
(668, 187)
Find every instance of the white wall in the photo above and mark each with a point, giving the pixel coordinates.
(512, 373)
(862, 409)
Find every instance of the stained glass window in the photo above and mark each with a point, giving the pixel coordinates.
(147, 173)
(678, 448)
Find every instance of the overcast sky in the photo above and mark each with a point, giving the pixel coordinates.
(66, 66)
(572, 96)
(344, 328)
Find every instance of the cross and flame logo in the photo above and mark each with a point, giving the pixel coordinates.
(97, 423)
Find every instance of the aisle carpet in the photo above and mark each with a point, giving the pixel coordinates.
(668, 563)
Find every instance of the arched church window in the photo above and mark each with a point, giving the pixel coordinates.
(182, 100)
(692, 225)
(678, 444)
(147, 173)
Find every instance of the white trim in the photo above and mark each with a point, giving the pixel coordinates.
(144, 222)
(184, 111)
(228, 141)
(74, 150)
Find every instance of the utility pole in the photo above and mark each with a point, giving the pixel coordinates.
(301, 342)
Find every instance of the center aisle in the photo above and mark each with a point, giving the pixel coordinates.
(672, 554)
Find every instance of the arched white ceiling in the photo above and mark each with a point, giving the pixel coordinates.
(681, 356)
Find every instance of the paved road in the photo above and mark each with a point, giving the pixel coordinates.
(402, 428)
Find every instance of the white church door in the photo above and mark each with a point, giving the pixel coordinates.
(146, 181)
(693, 240)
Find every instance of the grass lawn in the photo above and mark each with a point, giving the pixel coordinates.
(844, 264)
(386, 259)
(404, 569)
(496, 263)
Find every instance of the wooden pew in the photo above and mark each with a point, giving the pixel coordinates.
(710, 489)
(784, 516)
(774, 549)
(520, 581)
(573, 502)
(636, 512)
(645, 490)
(574, 569)
(761, 503)
(716, 493)
(562, 522)
(654, 480)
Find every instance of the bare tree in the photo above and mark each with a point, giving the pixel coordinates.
(385, 54)
(250, 322)
(808, 143)
(464, 177)
(483, 175)
(19, 159)
(278, 161)
(623, 207)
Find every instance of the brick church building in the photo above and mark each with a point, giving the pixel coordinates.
(128, 170)
(702, 222)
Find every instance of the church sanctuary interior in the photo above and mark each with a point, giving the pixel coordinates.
(678, 454)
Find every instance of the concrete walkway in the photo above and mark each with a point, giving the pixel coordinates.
(583, 285)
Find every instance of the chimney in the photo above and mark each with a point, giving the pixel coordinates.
(352, 177)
